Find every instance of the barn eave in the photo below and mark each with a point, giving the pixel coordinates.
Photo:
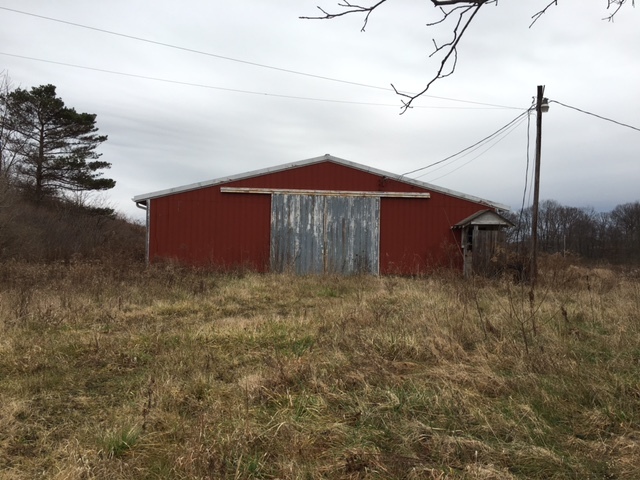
(311, 161)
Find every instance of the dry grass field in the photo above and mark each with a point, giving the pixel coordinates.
(150, 373)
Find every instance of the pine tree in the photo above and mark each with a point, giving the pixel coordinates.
(55, 146)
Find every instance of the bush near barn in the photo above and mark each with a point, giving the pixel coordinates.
(62, 230)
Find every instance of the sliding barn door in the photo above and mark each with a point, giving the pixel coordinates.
(325, 234)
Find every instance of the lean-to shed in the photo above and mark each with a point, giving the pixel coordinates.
(321, 215)
(482, 241)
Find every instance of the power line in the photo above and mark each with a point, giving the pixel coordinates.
(504, 134)
(594, 115)
(488, 137)
(526, 181)
(245, 62)
(234, 90)
(472, 150)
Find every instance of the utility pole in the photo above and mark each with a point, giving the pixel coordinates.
(542, 105)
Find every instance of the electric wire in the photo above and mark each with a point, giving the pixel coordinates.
(245, 62)
(497, 139)
(464, 155)
(526, 179)
(594, 115)
(488, 137)
(236, 90)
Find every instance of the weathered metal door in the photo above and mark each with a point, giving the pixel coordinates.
(325, 234)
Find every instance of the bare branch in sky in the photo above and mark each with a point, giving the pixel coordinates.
(617, 5)
(349, 8)
(465, 10)
(450, 57)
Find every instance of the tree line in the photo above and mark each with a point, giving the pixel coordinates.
(596, 236)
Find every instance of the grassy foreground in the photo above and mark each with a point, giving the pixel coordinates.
(165, 373)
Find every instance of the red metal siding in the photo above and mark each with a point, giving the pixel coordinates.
(207, 228)
(416, 234)
(326, 176)
(229, 230)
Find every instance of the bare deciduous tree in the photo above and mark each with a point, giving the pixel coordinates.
(597, 236)
(10, 145)
(462, 13)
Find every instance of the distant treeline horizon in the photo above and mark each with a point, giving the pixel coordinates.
(612, 236)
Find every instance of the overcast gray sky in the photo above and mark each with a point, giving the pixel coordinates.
(189, 120)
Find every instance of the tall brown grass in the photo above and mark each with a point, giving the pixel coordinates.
(61, 230)
(131, 372)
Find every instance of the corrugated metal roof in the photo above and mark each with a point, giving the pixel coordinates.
(311, 161)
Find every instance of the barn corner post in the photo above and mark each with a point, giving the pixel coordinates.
(467, 250)
(145, 205)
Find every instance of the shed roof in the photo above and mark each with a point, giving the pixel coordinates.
(484, 217)
(311, 161)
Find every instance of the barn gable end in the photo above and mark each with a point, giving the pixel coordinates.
(319, 215)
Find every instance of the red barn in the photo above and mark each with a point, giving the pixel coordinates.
(322, 215)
